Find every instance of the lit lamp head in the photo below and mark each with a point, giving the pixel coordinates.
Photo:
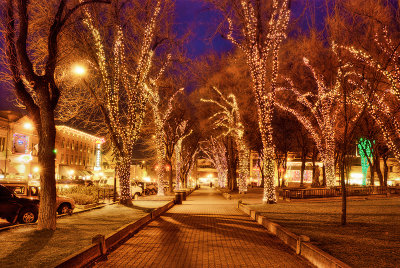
(79, 69)
(28, 125)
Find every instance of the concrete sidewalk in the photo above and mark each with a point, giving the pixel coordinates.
(206, 231)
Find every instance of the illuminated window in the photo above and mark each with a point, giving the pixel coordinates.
(20, 144)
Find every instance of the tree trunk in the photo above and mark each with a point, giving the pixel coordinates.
(124, 172)
(372, 172)
(160, 176)
(329, 162)
(171, 176)
(344, 194)
(323, 175)
(261, 167)
(385, 170)
(315, 169)
(279, 164)
(46, 158)
(231, 159)
(243, 168)
(302, 169)
(377, 164)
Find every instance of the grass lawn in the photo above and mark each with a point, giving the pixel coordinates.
(371, 237)
(27, 247)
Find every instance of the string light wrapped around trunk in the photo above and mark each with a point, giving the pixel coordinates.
(228, 118)
(261, 50)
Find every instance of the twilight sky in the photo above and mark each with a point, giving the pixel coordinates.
(202, 20)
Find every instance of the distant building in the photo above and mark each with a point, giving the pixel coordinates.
(78, 154)
(293, 171)
(206, 171)
(18, 147)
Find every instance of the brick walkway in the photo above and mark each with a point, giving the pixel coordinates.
(206, 231)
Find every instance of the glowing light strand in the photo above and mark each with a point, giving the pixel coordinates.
(215, 151)
(229, 119)
(124, 124)
(260, 54)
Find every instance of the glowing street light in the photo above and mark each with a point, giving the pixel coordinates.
(79, 69)
(28, 125)
(36, 169)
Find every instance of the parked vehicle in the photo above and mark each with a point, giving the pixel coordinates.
(136, 189)
(151, 188)
(63, 204)
(14, 208)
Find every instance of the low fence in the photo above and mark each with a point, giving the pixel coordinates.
(106, 194)
(102, 244)
(332, 192)
(299, 243)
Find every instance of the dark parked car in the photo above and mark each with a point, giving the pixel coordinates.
(13, 208)
(63, 204)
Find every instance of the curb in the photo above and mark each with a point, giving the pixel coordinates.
(300, 244)
(224, 195)
(58, 216)
(101, 244)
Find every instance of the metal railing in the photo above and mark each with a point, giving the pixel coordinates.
(106, 194)
(297, 193)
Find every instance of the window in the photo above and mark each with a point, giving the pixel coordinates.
(62, 142)
(20, 144)
(18, 189)
(34, 190)
(391, 169)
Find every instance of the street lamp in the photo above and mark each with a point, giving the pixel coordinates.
(79, 69)
(28, 126)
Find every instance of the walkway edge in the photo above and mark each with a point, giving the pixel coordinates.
(300, 244)
(98, 249)
(58, 216)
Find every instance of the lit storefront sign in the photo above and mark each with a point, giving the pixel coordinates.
(97, 165)
(25, 158)
(20, 144)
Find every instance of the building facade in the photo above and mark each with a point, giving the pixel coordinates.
(18, 147)
(78, 154)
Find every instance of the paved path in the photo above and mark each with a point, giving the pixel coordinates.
(206, 231)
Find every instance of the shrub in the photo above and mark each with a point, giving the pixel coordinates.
(82, 199)
(79, 191)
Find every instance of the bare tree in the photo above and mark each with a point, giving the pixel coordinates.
(215, 151)
(119, 80)
(35, 86)
(228, 118)
(260, 30)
